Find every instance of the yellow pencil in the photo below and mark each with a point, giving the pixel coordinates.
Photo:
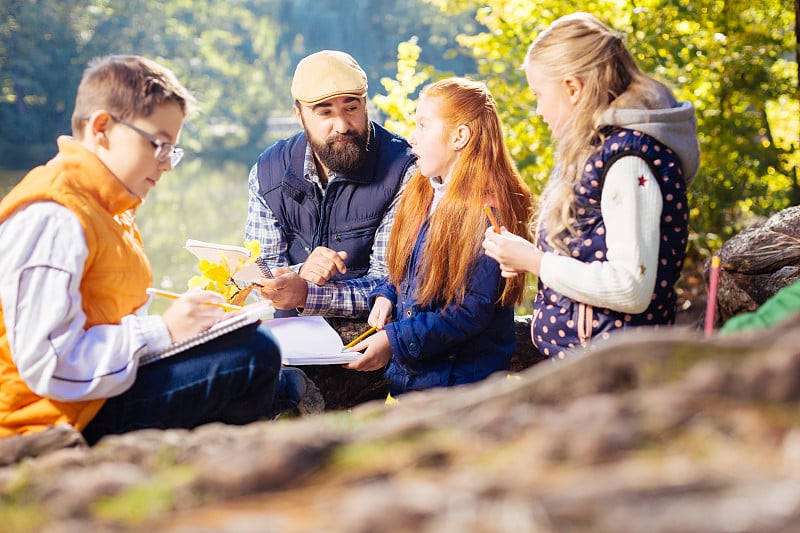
(361, 337)
(491, 217)
(175, 295)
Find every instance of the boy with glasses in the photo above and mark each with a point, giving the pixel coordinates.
(74, 274)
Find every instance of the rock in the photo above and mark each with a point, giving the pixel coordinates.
(14, 448)
(758, 262)
(657, 431)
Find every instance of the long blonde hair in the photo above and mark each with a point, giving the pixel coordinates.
(485, 173)
(580, 46)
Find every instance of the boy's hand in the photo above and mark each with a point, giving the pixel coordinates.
(190, 314)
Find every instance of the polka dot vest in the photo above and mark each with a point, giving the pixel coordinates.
(560, 323)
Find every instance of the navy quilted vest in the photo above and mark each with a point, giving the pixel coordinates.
(348, 213)
(560, 323)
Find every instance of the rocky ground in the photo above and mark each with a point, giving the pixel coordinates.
(659, 432)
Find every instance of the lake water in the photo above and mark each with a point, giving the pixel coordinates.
(197, 201)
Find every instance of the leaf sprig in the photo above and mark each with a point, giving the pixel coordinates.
(218, 277)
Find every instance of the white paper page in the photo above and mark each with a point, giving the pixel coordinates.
(309, 340)
(235, 254)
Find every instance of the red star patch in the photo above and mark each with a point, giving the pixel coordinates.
(642, 181)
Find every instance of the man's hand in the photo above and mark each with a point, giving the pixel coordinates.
(287, 289)
(322, 264)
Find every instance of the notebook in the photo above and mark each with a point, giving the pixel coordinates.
(249, 315)
(309, 340)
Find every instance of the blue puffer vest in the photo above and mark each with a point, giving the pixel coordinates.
(344, 217)
(560, 323)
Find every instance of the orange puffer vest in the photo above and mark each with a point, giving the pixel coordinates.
(114, 280)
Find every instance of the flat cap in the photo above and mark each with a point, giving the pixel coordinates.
(325, 75)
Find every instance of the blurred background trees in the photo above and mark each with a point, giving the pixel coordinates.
(238, 56)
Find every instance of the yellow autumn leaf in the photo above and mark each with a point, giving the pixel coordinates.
(218, 276)
(255, 250)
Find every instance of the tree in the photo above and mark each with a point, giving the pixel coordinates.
(225, 51)
(37, 84)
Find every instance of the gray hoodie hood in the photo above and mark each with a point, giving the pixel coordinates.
(675, 127)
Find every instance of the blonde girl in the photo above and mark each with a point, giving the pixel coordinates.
(613, 220)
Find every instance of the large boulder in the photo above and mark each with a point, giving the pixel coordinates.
(657, 431)
(758, 262)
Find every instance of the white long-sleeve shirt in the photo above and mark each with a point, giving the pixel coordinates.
(41, 264)
(632, 213)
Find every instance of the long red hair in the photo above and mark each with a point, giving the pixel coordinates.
(485, 173)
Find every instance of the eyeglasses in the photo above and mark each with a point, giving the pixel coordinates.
(164, 151)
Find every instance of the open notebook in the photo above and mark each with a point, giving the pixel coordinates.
(309, 340)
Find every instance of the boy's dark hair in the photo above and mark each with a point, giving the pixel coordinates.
(127, 86)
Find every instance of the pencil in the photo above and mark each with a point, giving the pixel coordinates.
(491, 217)
(175, 295)
(361, 337)
(711, 303)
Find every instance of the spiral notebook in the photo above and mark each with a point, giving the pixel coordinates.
(249, 315)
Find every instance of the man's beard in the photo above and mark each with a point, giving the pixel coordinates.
(342, 157)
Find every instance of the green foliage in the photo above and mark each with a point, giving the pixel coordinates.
(397, 104)
(731, 59)
(37, 87)
(219, 49)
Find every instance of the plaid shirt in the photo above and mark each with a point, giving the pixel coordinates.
(345, 298)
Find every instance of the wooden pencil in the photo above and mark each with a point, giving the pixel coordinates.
(491, 217)
(361, 337)
(175, 296)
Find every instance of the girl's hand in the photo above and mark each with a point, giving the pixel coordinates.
(381, 312)
(191, 313)
(514, 254)
(377, 352)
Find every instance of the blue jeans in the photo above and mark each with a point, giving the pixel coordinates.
(230, 379)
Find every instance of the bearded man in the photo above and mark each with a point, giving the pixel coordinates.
(322, 202)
